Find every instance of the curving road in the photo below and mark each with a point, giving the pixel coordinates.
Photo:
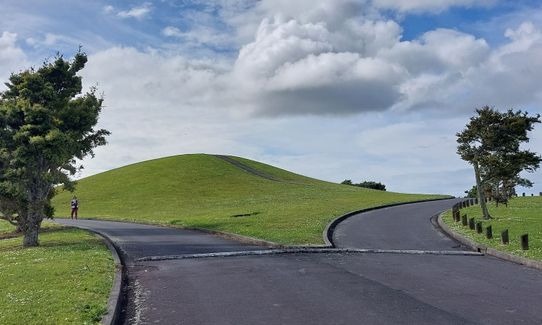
(400, 227)
(326, 288)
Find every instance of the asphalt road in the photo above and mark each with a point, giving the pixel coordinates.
(400, 227)
(337, 288)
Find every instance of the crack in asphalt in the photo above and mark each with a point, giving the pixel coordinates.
(306, 251)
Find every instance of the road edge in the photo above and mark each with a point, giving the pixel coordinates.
(111, 317)
(484, 249)
(330, 228)
(114, 301)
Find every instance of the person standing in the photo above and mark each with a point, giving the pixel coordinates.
(75, 207)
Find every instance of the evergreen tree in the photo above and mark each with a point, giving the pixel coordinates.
(491, 144)
(46, 125)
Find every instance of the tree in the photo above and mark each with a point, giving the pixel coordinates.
(366, 184)
(46, 126)
(491, 144)
(372, 185)
(472, 193)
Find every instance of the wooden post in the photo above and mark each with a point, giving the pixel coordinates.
(457, 217)
(504, 237)
(464, 220)
(489, 232)
(471, 223)
(479, 228)
(525, 242)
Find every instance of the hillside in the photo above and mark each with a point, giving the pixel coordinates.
(222, 193)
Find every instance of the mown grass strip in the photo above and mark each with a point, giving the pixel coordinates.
(66, 280)
(523, 215)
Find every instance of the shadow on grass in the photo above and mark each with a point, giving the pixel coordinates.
(14, 234)
(72, 244)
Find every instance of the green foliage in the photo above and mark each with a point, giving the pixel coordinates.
(522, 215)
(45, 125)
(491, 143)
(472, 193)
(366, 184)
(493, 139)
(207, 192)
(67, 280)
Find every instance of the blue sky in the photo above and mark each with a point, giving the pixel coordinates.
(334, 89)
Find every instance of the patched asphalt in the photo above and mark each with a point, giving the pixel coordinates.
(326, 288)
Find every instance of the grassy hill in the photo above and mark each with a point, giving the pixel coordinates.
(222, 193)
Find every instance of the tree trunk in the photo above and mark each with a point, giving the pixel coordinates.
(479, 188)
(32, 224)
(31, 236)
(497, 195)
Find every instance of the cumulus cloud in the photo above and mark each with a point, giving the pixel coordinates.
(12, 57)
(300, 62)
(428, 5)
(138, 12)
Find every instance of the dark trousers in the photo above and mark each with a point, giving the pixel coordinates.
(74, 212)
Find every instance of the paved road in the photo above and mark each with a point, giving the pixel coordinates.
(137, 240)
(400, 227)
(333, 288)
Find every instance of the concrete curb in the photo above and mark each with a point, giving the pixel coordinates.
(306, 251)
(330, 228)
(487, 250)
(115, 297)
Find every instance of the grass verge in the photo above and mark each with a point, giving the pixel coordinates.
(204, 191)
(66, 280)
(523, 215)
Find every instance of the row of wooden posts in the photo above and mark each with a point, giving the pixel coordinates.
(472, 224)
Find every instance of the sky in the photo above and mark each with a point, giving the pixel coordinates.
(332, 89)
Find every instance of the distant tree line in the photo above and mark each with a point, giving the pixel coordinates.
(366, 184)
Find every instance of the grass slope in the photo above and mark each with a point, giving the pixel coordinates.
(66, 280)
(207, 192)
(523, 215)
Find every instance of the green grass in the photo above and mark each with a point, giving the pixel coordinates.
(206, 192)
(67, 280)
(523, 215)
(6, 227)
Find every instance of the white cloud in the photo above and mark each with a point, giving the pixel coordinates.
(301, 62)
(139, 12)
(12, 57)
(428, 5)
(108, 9)
(172, 31)
(198, 36)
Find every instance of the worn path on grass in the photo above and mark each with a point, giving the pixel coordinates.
(326, 288)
